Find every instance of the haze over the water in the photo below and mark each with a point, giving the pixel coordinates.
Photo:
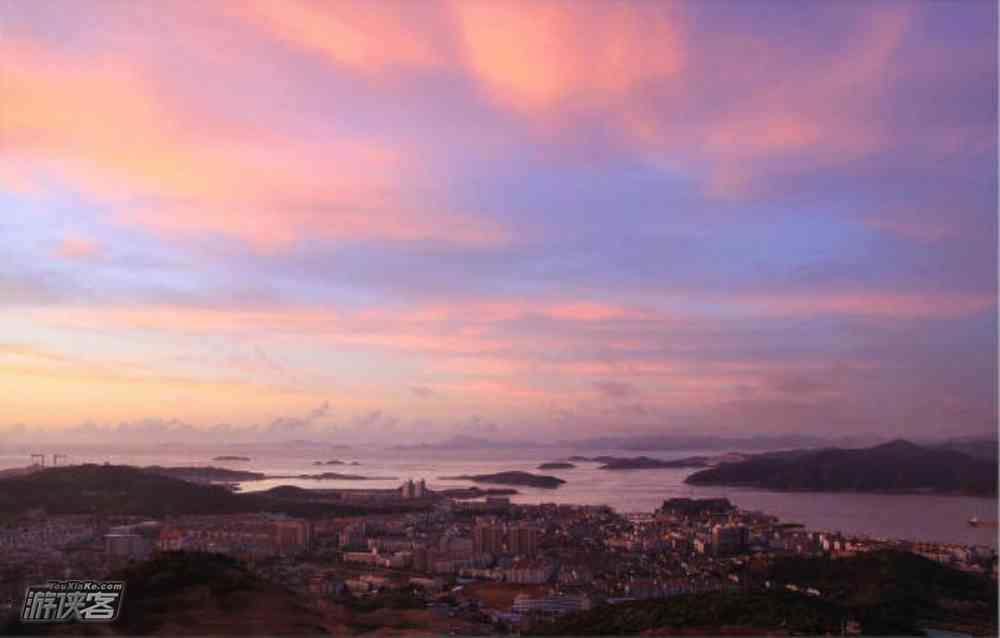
(526, 223)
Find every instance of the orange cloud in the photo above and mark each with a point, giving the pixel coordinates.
(369, 37)
(58, 389)
(530, 55)
(197, 321)
(470, 354)
(524, 55)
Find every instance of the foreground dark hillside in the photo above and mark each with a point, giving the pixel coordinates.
(887, 593)
(884, 593)
(706, 614)
(899, 466)
(196, 595)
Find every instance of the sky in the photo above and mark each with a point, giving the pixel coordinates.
(403, 221)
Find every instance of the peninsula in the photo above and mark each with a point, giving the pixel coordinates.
(896, 467)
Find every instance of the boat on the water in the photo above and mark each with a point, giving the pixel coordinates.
(975, 522)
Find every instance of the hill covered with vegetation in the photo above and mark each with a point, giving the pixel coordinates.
(899, 466)
(891, 591)
(715, 613)
(886, 593)
(122, 489)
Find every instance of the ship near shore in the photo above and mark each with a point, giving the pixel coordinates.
(975, 521)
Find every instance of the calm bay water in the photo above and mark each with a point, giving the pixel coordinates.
(917, 517)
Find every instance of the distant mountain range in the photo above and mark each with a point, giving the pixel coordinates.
(980, 446)
(898, 466)
(685, 442)
(465, 443)
(681, 442)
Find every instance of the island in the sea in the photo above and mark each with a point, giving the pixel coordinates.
(899, 466)
(525, 479)
(556, 465)
(647, 463)
(231, 458)
(330, 462)
(222, 475)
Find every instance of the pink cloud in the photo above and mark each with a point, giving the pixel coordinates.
(862, 304)
(186, 169)
(78, 248)
(564, 51)
(780, 106)
(369, 38)
(179, 171)
(467, 350)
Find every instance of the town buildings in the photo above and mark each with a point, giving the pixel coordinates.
(551, 559)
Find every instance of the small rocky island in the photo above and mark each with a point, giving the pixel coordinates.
(231, 458)
(524, 479)
(223, 475)
(330, 462)
(556, 465)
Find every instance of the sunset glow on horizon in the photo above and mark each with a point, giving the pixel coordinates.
(387, 221)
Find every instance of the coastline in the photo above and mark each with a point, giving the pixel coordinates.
(889, 515)
(806, 490)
